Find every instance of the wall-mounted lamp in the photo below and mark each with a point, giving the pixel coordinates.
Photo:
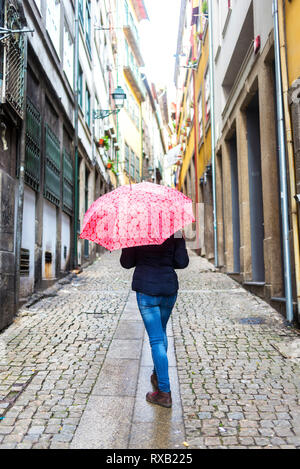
(119, 97)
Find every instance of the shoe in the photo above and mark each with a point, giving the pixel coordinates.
(154, 381)
(161, 398)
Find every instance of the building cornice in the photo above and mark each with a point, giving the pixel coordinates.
(140, 9)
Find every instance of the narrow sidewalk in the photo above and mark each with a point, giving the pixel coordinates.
(117, 414)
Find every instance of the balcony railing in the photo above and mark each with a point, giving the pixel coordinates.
(133, 75)
(131, 33)
(12, 59)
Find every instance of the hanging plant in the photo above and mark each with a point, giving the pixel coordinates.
(103, 142)
(113, 169)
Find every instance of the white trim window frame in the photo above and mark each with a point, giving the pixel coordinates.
(68, 54)
(53, 15)
(207, 94)
(200, 117)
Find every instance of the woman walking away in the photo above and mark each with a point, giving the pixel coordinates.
(156, 284)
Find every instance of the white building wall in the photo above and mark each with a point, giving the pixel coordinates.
(227, 27)
(28, 240)
(54, 75)
(49, 238)
(65, 240)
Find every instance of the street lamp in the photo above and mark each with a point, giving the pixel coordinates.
(119, 97)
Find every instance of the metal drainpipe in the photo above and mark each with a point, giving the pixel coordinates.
(283, 171)
(19, 224)
(76, 70)
(290, 152)
(195, 104)
(196, 155)
(212, 126)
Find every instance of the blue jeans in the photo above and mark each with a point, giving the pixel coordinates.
(155, 311)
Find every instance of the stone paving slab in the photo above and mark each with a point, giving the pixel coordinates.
(118, 377)
(105, 423)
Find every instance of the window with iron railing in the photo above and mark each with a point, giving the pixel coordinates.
(200, 118)
(12, 51)
(80, 12)
(80, 86)
(207, 94)
(127, 157)
(87, 107)
(137, 169)
(88, 29)
(132, 164)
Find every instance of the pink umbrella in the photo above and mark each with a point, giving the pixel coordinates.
(136, 215)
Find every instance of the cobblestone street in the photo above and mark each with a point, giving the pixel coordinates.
(236, 390)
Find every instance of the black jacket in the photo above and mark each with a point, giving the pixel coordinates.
(154, 266)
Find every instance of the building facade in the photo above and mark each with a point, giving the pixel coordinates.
(12, 122)
(243, 235)
(193, 123)
(58, 152)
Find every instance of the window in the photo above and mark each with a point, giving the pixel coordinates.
(99, 131)
(80, 86)
(126, 168)
(132, 164)
(126, 102)
(136, 115)
(80, 2)
(68, 55)
(200, 118)
(137, 169)
(88, 25)
(53, 23)
(207, 94)
(87, 107)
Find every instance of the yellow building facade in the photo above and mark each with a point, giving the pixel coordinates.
(130, 119)
(292, 15)
(194, 131)
(203, 118)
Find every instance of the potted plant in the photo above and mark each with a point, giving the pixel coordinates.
(204, 7)
(103, 142)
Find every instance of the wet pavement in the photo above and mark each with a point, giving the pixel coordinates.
(75, 368)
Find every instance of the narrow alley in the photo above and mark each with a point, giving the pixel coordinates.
(75, 367)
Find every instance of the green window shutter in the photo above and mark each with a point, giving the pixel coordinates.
(87, 107)
(132, 165)
(80, 87)
(137, 169)
(126, 158)
(88, 29)
(52, 167)
(32, 146)
(67, 183)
